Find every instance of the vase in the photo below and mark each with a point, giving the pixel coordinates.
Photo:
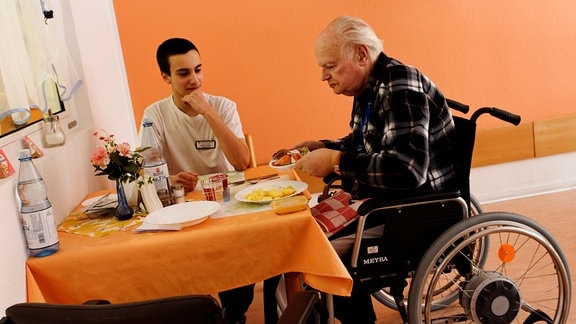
(123, 210)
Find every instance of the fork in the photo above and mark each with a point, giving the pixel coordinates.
(256, 180)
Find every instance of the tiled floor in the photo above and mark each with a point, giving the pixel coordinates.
(556, 212)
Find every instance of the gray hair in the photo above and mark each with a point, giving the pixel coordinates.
(352, 31)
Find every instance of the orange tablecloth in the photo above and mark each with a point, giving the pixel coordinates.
(216, 255)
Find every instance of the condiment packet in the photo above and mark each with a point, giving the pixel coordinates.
(289, 205)
(35, 151)
(6, 168)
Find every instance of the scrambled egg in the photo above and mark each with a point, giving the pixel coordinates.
(269, 194)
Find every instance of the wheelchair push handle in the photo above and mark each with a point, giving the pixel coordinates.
(498, 113)
(458, 106)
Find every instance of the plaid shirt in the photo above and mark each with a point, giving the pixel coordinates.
(405, 139)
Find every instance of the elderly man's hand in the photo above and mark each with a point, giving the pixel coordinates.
(311, 145)
(319, 163)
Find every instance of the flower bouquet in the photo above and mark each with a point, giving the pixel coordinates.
(121, 164)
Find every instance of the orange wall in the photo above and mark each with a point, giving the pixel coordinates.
(517, 55)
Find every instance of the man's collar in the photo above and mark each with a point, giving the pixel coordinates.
(376, 75)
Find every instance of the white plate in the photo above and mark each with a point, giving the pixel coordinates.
(299, 186)
(281, 167)
(185, 214)
(105, 202)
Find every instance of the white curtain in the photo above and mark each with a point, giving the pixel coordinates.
(33, 57)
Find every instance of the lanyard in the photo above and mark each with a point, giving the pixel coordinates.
(363, 128)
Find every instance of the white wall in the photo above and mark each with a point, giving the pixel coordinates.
(103, 102)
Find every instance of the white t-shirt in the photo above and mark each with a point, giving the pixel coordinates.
(188, 143)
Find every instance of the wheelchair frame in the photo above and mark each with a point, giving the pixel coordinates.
(457, 277)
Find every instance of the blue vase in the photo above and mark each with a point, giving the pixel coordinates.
(123, 210)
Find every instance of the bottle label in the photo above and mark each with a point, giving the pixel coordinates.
(40, 228)
(159, 175)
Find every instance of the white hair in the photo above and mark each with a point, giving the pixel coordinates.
(352, 31)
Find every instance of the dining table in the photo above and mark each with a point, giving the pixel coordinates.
(241, 246)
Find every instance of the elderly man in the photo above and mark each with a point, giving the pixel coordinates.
(401, 139)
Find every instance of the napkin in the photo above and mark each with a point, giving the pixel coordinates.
(148, 227)
(80, 223)
(334, 213)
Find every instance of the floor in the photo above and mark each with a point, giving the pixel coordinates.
(554, 211)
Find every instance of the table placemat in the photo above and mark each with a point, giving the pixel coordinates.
(79, 223)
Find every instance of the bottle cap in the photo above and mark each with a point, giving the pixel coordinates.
(50, 117)
(24, 154)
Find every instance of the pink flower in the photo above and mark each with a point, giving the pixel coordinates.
(124, 150)
(117, 161)
(100, 157)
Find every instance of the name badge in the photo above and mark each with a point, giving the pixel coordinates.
(206, 145)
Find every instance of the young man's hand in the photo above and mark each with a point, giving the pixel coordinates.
(187, 179)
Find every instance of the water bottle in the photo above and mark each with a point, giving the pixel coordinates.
(155, 165)
(36, 211)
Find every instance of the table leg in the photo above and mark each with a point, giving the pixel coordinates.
(294, 284)
(330, 307)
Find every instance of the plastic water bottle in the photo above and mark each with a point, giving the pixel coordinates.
(36, 210)
(155, 165)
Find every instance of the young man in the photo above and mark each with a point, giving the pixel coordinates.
(200, 134)
(402, 133)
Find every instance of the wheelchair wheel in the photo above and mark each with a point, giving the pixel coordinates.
(525, 278)
(447, 293)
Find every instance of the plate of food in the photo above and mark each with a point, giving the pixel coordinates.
(284, 160)
(184, 214)
(269, 191)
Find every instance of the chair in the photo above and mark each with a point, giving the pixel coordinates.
(250, 143)
(271, 314)
(454, 276)
(390, 260)
(183, 309)
(194, 309)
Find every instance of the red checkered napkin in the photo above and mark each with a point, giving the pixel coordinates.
(334, 213)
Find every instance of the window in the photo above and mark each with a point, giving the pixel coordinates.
(55, 105)
(36, 73)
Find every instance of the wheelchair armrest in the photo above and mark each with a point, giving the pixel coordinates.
(331, 178)
(374, 203)
(329, 184)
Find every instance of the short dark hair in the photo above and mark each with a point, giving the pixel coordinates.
(172, 46)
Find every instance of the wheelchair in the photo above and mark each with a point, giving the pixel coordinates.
(458, 264)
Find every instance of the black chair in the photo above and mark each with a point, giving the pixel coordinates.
(304, 307)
